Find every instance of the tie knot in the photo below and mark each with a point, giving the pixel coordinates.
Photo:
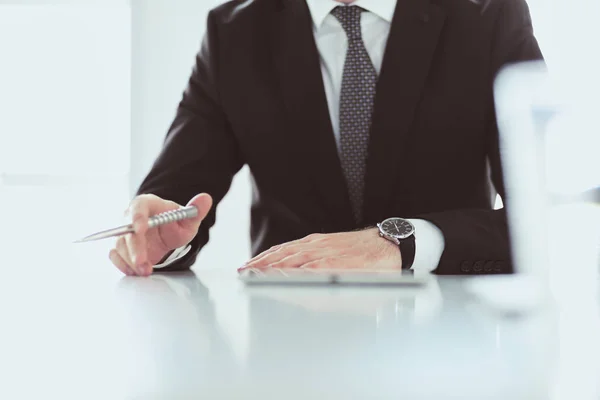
(349, 17)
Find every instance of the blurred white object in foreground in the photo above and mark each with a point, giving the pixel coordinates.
(549, 138)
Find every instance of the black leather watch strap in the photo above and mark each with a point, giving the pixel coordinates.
(408, 250)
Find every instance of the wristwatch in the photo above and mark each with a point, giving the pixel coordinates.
(402, 233)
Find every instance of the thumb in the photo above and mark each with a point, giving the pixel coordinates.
(203, 202)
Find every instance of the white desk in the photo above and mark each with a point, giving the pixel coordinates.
(73, 328)
(183, 336)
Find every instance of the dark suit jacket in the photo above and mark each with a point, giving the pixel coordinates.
(256, 97)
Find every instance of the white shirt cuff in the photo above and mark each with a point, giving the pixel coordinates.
(429, 245)
(176, 255)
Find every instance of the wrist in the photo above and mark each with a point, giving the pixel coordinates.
(393, 253)
(388, 250)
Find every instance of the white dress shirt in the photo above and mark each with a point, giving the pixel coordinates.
(332, 44)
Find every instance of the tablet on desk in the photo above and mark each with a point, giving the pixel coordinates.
(350, 277)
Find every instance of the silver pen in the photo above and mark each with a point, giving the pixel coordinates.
(153, 222)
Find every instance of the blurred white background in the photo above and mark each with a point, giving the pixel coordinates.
(88, 90)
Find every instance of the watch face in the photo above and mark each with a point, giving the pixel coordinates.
(398, 228)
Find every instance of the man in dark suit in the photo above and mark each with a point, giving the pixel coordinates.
(349, 114)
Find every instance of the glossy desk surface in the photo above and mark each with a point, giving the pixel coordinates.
(74, 328)
(205, 335)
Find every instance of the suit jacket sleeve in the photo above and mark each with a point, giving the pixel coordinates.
(200, 153)
(477, 241)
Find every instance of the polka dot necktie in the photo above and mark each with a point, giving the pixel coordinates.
(356, 106)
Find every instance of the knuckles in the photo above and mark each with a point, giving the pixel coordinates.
(139, 201)
(304, 257)
(314, 237)
(120, 243)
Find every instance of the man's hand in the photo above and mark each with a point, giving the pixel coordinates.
(137, 253)
(356, 250)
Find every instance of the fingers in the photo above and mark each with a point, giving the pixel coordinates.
(118, 261)
(203, 202)
(290, 256)
(122, 251)
(324, 251)
(136, 245)
(287, 249)
(134, 252)
(333, 263)
(139, 210)
(321, 260)
(296, 260)
(259, 259)
(285, 257)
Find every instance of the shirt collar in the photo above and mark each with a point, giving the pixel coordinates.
(320, 9)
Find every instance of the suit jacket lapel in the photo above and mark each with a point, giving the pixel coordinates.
(311, 141)
(414, 35)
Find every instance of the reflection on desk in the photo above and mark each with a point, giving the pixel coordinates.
(334, 343)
